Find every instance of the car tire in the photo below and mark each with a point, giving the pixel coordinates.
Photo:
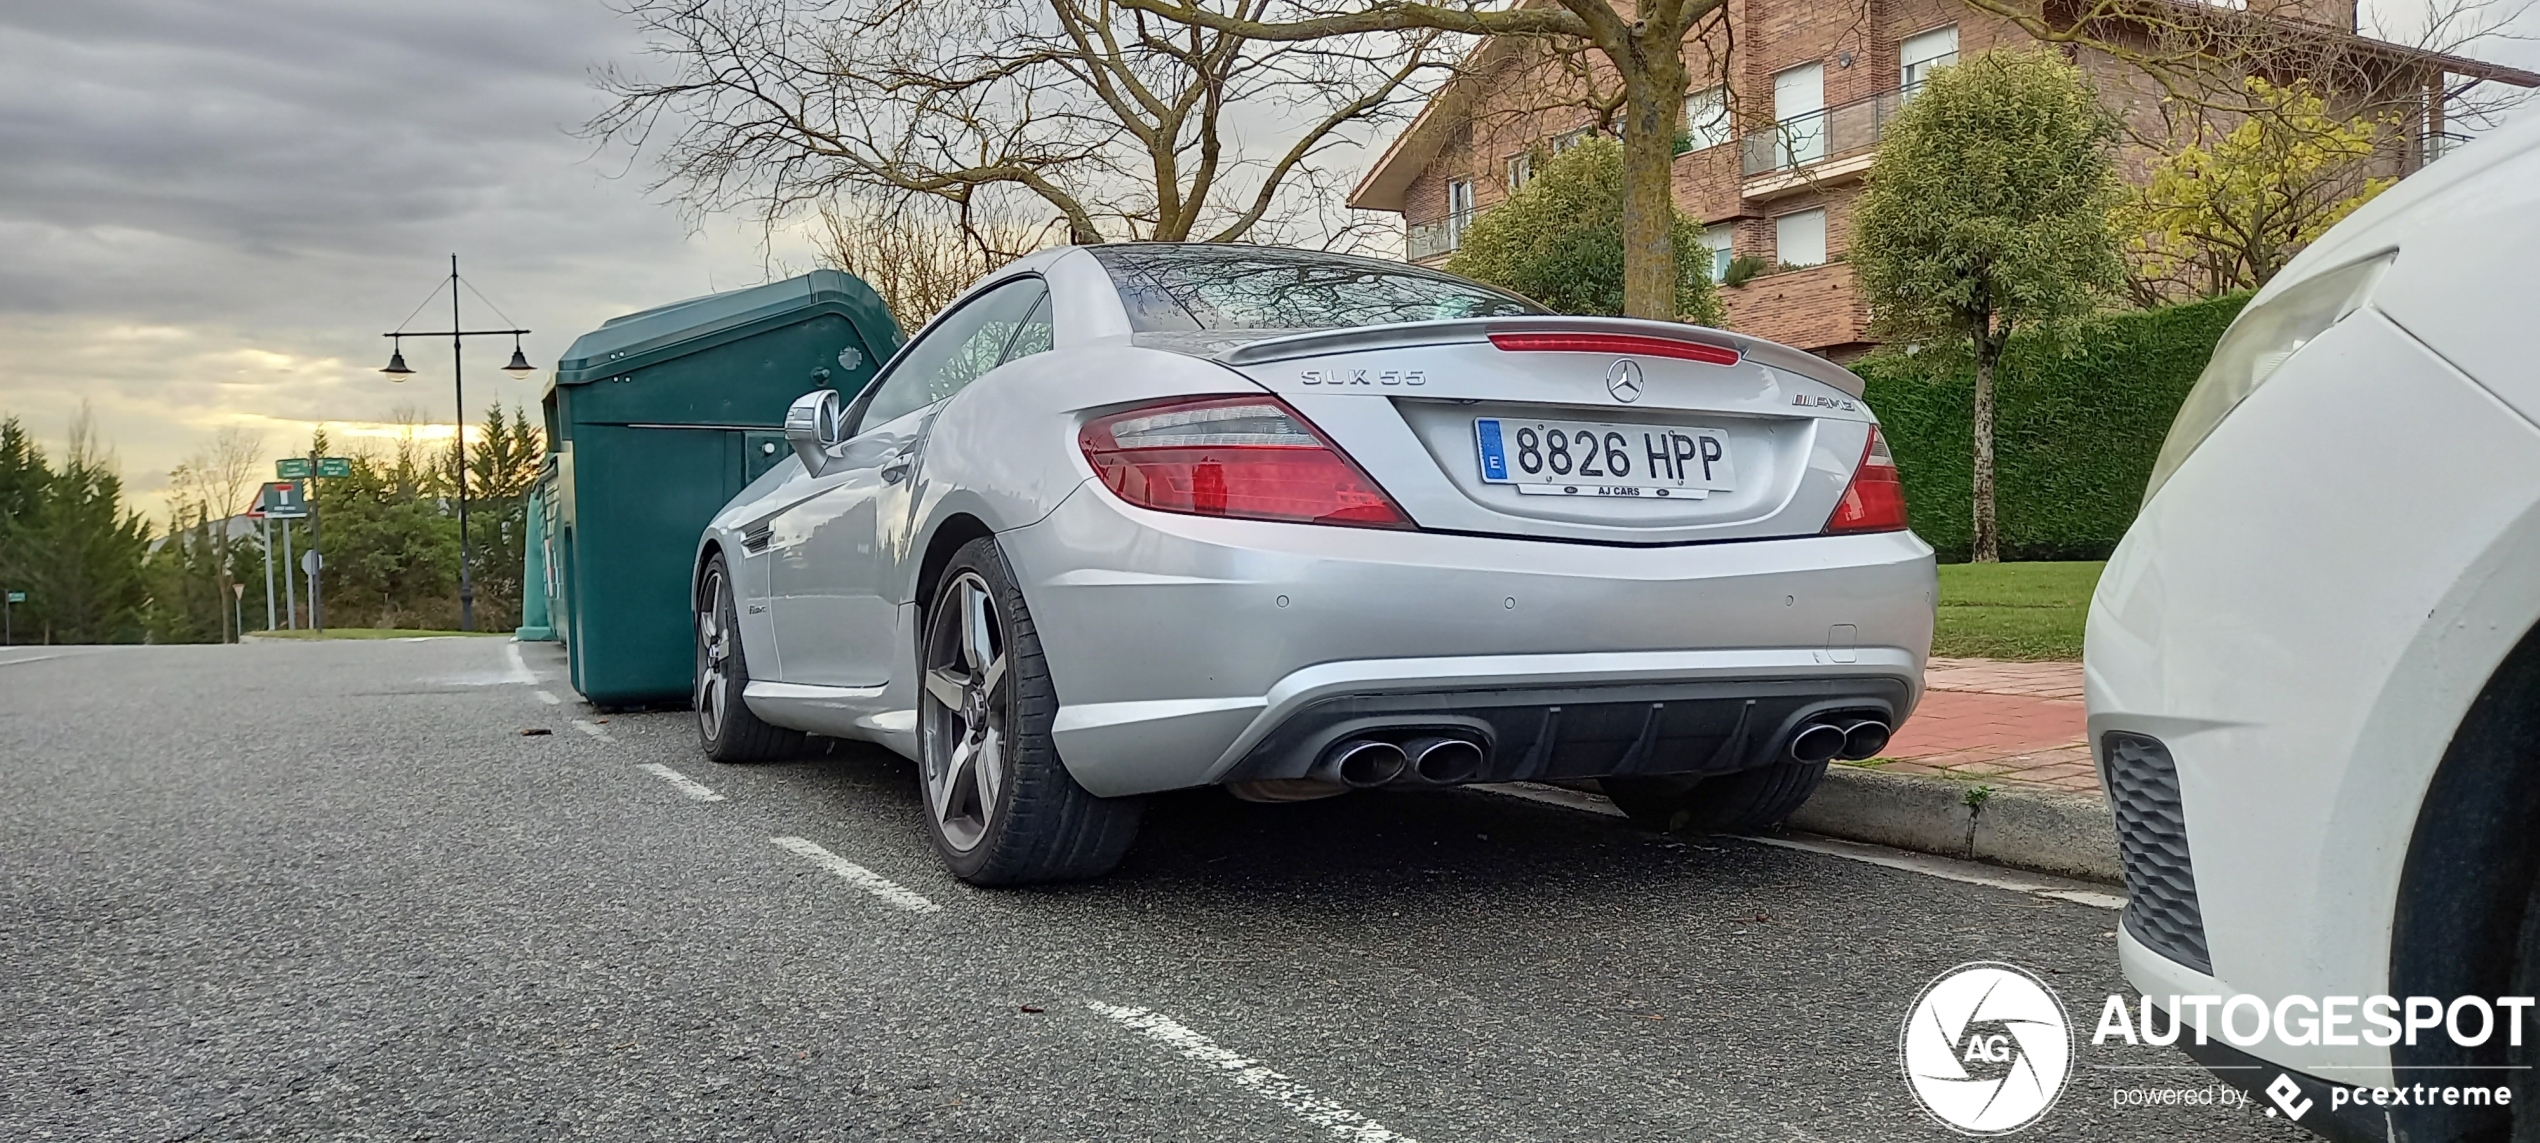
(1748, 801)
(1000, 805)
(725, 725)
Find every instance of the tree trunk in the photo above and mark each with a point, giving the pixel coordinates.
(1654, 84)
(1988, 545)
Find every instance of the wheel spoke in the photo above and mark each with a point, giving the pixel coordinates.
(994, 675)
(977, 650)
(987, 768)
(957, 773)
(946, 687)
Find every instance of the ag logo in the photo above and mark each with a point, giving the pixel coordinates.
(1986, 1048)
(1622, 379)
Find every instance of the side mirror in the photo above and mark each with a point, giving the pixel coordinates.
(815, 424)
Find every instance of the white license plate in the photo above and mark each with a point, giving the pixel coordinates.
(1594, 458)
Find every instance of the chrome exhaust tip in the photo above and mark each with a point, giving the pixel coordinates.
(1445, 761)
(1864, 739)
(1817, 742)
(1362, 762)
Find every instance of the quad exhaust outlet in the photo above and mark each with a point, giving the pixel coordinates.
(1362, 762)
(1444, 761)
(1849, 739)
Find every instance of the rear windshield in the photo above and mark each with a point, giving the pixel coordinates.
(1181, 288)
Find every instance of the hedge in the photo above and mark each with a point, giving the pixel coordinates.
(2074, 434)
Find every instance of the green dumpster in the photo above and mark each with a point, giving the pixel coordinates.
(656, 420)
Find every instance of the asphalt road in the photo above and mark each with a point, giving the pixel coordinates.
(331, 891)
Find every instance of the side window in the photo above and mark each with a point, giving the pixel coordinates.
(1035, 334)
(964, 345)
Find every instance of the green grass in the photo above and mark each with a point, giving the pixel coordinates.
(369, 633)
(2014, 611)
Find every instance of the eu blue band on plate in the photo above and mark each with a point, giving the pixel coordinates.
(1494, 454)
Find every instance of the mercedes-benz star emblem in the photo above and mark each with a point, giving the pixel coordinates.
(1622, 379)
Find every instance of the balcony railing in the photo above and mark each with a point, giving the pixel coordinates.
(1843, 129)
(1425, 240)
(2433, 145)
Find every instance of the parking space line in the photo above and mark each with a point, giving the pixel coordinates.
(549, 698)
(1250, 1073)
(857, 875)
(1947, 869)
(520, 667)
(588, 727)
(686, 785)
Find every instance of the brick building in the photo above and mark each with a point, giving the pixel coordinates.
(1772, 158)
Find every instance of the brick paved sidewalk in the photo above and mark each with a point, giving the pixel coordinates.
(1997, 722)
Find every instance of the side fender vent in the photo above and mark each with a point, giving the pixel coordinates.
(756, 539)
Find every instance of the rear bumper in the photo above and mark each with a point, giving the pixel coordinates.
(1188, 650)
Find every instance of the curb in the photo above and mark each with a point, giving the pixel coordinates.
(2025, 828)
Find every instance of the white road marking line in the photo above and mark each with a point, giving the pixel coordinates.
(549, 698)
(1248, 1073)
(687, 785)
(520, 667)
(592, 729)
(1947, 869)
(857, 875)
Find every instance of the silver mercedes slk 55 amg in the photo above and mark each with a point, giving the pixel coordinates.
(1141, 517)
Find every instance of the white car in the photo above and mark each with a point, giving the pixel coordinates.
(2314, 671)
(1144, 517)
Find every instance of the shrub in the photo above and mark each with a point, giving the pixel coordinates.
(2075, 435)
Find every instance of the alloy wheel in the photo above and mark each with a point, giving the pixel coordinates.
(965, 708)
(714, 654)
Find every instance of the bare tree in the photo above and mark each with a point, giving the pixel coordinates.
(1644, 47)
(917, 260)
(1106, 122)
(211, 486)
(2410, 59)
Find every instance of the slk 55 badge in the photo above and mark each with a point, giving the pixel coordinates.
(1372, 377)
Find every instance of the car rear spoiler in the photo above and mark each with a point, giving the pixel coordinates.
(1465, 330)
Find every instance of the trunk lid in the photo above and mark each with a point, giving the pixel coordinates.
(1587, 429)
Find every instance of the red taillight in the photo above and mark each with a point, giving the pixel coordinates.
(1875, 501)
(1635, 344)
(1250, 457)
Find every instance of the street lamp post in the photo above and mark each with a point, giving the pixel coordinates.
(397, 371)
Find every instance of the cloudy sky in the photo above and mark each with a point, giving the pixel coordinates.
(209, 210)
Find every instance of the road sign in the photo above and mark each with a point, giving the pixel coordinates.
(292, 468)
(284, 500)
(311, 562)
(331, 467)
(17, 597)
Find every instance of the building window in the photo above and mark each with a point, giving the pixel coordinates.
(1459, 211)
(1937, 48)
(1800, 239)
(1521, 170)
(1707, 118)
(1721, 239)
(1799, 102)
(1568, 139)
